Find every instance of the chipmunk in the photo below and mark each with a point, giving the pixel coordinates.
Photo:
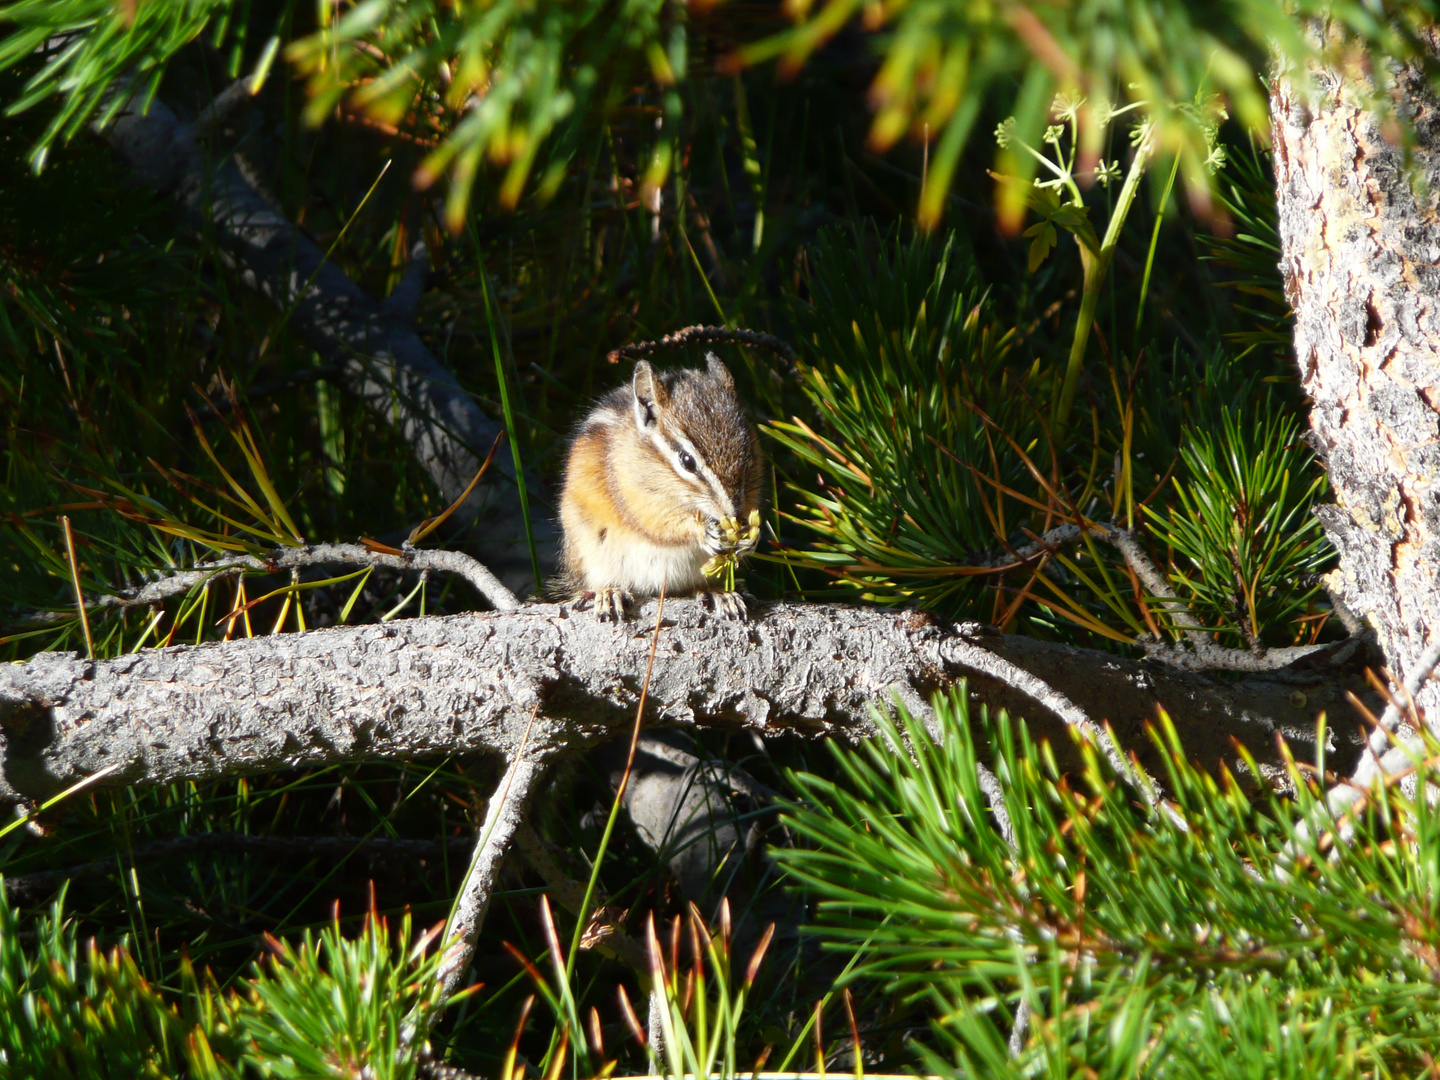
(660, 476)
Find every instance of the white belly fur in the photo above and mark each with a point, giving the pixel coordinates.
(641, 568)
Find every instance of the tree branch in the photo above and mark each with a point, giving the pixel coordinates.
(382, 359)
(1391, 748)
(1202, 654)
(469, 684)
(507, 812)
(295, 558)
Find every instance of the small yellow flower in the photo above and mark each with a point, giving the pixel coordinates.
(739, 542)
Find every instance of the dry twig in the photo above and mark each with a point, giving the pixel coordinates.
(1200, 652)
(281, 559)
(695, 335)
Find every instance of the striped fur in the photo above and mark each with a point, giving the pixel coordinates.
(653, 470)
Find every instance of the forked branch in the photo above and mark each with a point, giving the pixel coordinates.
(1200, 652)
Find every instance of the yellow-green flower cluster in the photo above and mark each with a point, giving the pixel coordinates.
(738, 541)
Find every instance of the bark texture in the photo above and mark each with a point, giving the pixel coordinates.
(506, 813)
(1361, 264)
(469, 684)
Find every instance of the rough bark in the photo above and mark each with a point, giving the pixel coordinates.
(1361, 263)
(507, 811)
(470, 683)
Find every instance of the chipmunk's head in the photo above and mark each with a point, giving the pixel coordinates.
(694, 425)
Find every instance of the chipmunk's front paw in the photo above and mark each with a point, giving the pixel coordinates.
(612, 603)
(728, 605)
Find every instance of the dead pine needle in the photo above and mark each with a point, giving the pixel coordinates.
(819, 1041)
(854, 1033)
(425, 528)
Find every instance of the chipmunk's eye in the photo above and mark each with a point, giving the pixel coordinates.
(687, 462)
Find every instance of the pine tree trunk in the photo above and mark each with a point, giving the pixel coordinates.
(1360, 242)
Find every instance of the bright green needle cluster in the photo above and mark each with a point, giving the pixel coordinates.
(1195, 934)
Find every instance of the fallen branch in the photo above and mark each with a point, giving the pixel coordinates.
(375, 348)
(508, 809)
(469, 683)
(1394, 750)
(1388, 730)
(1406, 755)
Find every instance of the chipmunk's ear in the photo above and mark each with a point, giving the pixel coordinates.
(650, 396)
(719, 371)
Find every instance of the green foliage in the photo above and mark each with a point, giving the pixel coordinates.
(703, 1010)
(103, 54)
(71, 1018)
(1242, 522)
(338, 1007)
(560, 996)
(106, 412)
(1250, 254)
(72, 252)
(1056, 197)
(942, 59)
(86, 291)
(332, 1007)
(1200, 934)
(244, 514)
(913, 483)
(932, 460)
(516, 84)
(919, 408)
(497, 80)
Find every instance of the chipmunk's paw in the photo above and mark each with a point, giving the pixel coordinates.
(612, 603)
(727, 604)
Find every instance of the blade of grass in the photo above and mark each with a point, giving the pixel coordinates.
(505, 405)
(245, 439)
(403, 603)
(75, 580)
(703, 278)
(294, 587)
(359, 588)
(1150, 254)
(304, 289)
(80, 785)
(584, 912)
